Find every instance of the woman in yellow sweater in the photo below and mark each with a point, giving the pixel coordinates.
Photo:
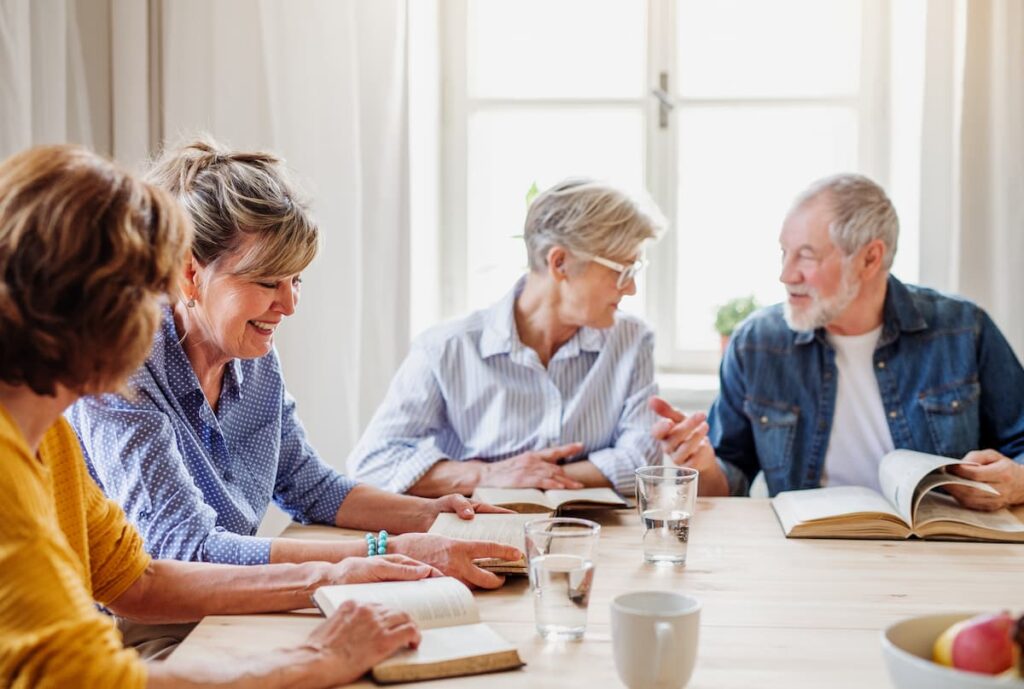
(86, 254)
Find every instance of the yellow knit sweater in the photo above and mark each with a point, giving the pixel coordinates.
(63, 546)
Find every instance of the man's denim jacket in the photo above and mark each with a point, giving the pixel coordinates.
(949, 381)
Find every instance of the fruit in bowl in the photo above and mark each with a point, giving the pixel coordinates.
(909, 645)
(984, 643)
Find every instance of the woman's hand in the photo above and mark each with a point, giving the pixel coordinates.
(997, 470)
(454, 557)
(464, 507)
(357, 637)
(532, 469)
(391, 567)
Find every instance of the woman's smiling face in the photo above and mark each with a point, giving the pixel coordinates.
(239, 315)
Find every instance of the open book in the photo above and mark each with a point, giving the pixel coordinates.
(454, 641)
(907, 506)
(534, 500)
(503, 528)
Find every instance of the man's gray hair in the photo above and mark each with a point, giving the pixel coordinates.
(862, 212)
(588, 218)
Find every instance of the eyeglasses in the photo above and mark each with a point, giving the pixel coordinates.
(626, 273)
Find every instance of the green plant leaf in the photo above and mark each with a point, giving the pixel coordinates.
(733, 312)
(531, 193)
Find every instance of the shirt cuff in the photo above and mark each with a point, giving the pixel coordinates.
(410, 469)
(227, 548)
(324, 509)
(619, 467)
(737, 480)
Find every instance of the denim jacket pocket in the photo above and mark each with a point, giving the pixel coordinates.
(774, 427)
(952, 416)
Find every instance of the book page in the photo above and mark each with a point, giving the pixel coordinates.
(796, 507)
(511, 496)
(451, 643)
(899, 474)
(439, 602)
(941, 478)
(503, 528)
(935, 507)
(605, 496)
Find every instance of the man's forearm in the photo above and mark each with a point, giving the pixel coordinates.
(449, 476)
(366, 507)
(171, 591)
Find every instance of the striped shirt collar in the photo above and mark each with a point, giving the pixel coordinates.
(500, 336)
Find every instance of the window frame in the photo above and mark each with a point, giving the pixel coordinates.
(660, 151)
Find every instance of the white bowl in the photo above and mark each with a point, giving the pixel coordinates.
(907, 646)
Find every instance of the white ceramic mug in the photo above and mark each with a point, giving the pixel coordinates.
(654, 635)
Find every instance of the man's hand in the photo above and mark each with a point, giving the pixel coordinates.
(685, 440)
(391, 567)
(454, 557)
(997, 470)
(532, 469)
(357, 637)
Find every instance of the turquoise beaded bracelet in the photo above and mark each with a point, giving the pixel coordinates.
(378, 545)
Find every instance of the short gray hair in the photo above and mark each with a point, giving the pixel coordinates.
(588, 218)
(862, 213)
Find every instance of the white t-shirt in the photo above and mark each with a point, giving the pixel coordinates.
(860, 434)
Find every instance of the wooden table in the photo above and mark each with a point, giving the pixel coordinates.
(777, 612)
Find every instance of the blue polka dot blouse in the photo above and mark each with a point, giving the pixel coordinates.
(196, 482)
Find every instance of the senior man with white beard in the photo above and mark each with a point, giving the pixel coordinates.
(854, 364)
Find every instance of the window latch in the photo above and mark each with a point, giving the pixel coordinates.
(665, 104)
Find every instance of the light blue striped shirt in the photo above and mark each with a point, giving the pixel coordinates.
(471, 389)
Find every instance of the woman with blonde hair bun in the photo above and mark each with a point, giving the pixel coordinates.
(87, 255)
(209, 435)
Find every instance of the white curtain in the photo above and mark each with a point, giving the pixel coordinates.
(54, 80)
(972, 183)
(322, 83)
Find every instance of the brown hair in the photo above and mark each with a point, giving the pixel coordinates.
(86, 252)
(229, 194)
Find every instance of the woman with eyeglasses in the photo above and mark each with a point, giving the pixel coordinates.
(547, 388)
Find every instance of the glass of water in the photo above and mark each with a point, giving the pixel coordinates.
(560, 556)
(665, 498)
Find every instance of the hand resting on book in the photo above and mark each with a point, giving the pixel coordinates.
(455, 557)
(357, 637)
(995, 469)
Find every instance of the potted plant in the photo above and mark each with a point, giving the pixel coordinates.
(731, 314)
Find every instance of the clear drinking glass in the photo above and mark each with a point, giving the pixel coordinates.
(560, 556)
(665, 498)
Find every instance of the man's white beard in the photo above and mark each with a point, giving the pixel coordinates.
(821, 312)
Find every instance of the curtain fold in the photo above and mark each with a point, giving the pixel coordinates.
(972, 156)
(322, 83)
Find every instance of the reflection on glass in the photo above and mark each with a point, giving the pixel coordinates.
(556, 48)
(782, 48)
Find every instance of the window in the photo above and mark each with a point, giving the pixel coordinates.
(721, 111)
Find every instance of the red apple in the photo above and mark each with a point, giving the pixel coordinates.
(980, 644)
